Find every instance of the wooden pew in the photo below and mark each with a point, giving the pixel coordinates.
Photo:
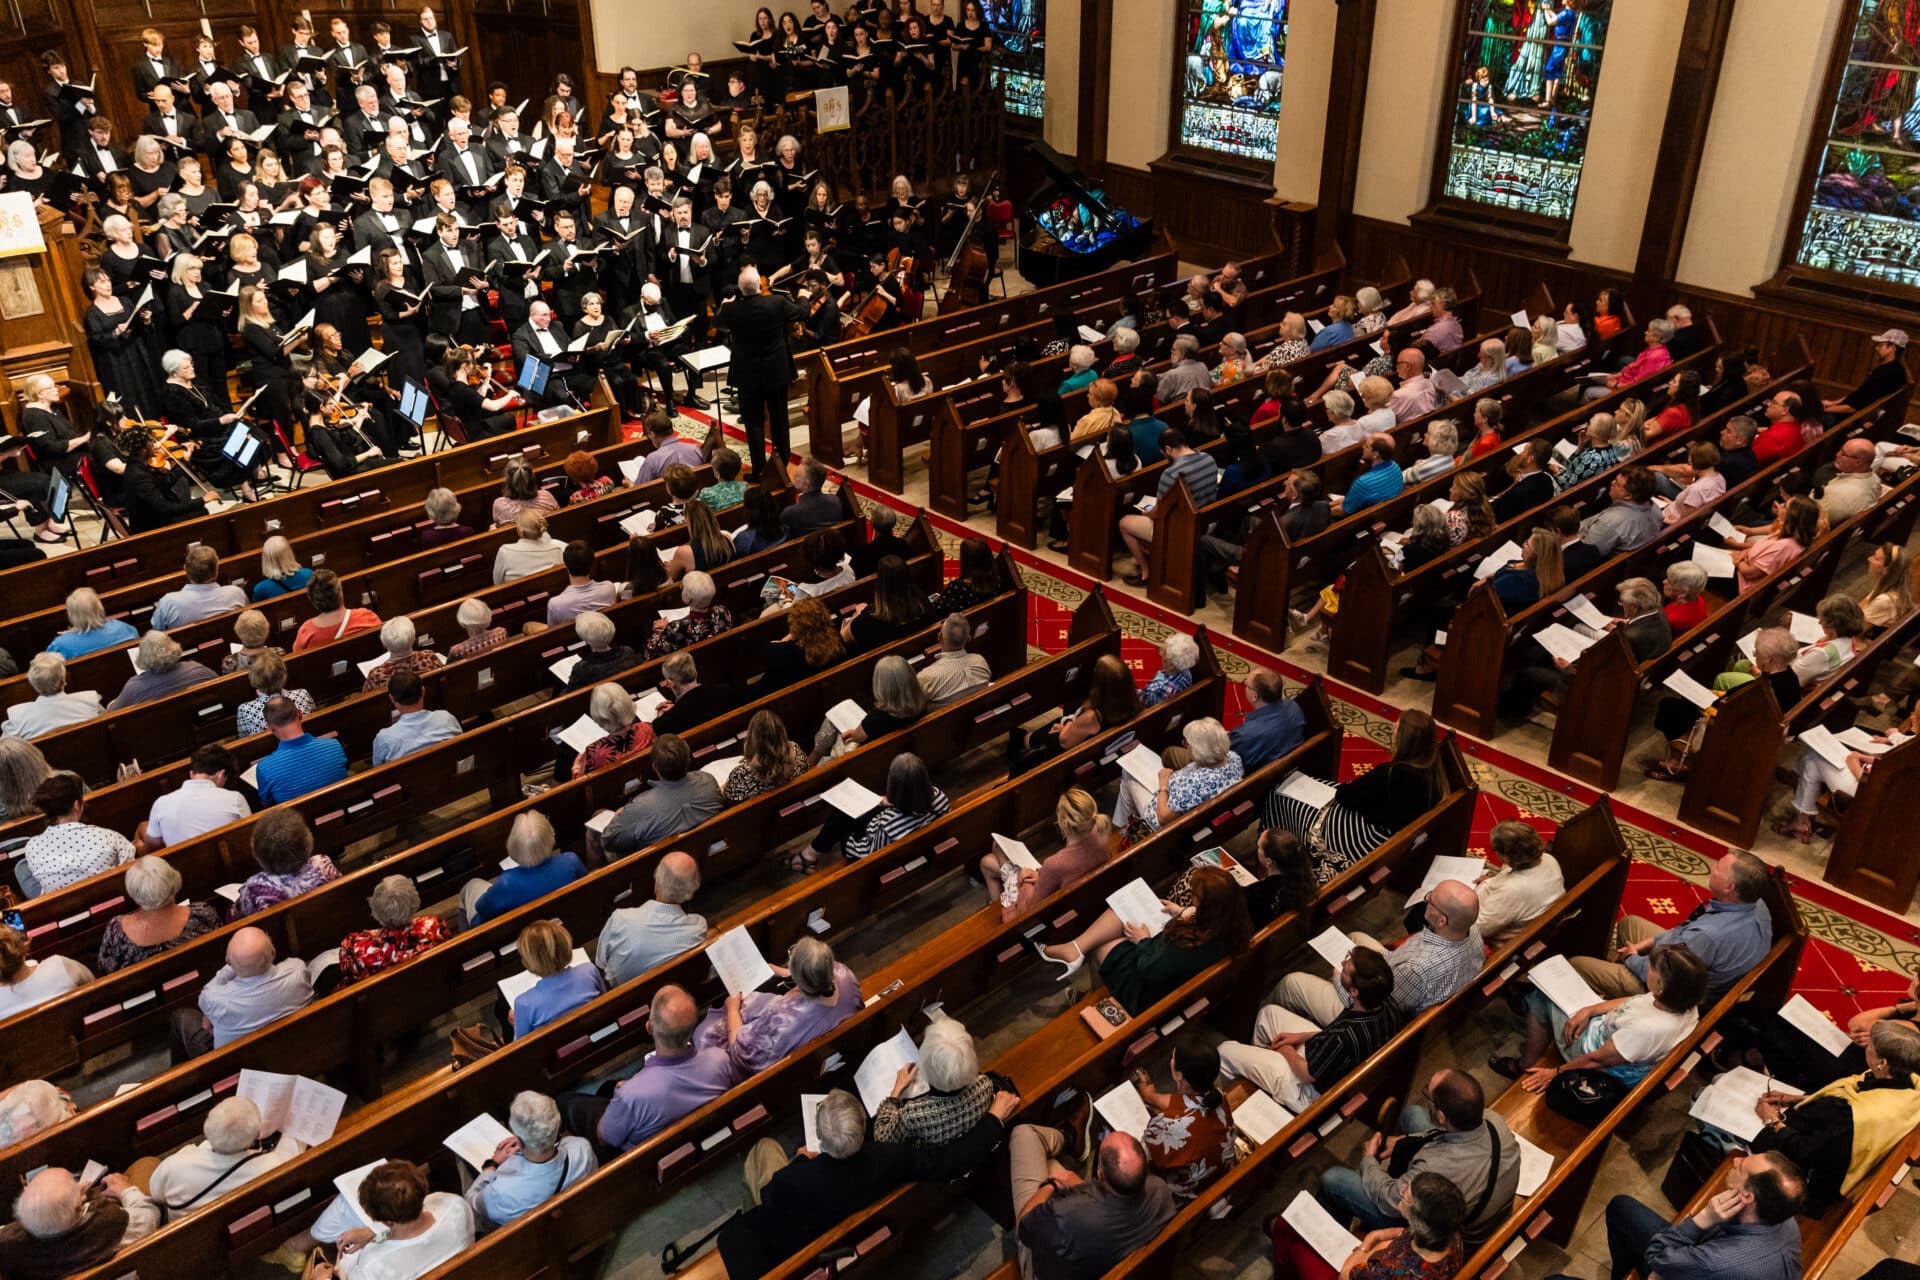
(1863, 861)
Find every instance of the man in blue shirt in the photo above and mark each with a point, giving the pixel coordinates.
(1730, 932)
(1382, 478)
(413, 725)
(1748, 1230)
(1273, 726)
(299, 762)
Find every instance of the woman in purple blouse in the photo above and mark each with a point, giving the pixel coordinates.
(759, 1029)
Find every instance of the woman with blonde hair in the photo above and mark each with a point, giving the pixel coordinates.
(898, 701)
(1889, 595)
(280, 572)
(769, 759)
(1086, 837)
(546, 948)
(251, 631)
(1338, 328)
(25, 983)
(88, 627)
(1101, 416)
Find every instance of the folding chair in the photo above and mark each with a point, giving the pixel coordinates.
(303, 462)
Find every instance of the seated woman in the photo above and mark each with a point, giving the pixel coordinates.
(159, 921)
(762, 527)
(1236, 361)
(758, 1029)
(1427, 538)
(811, 645)
(476, 621)
(401, 933)
(1890, 583)
(1140, 967)
(1685, 589)
(1373, 807)
(1540, 572)
(23, 767)
(546, 948)
(898, 610)
(68, 850)
(88, 627)
(1086, 846)
(251, 631)
(442, 507)
(603, 658)
(1815, 776)
(537, 1162)
(1189, 1139)
(898, 701)
(536, 871)
(1212, 768)
(25, 983)
(1626, 1037)
(417, 1230)
(1683, 406)
(533, 550)
(1527, 881)
(584, 478)
(1293, 344)
(1443, 449)
(1679, 720)
(283, 846)
(521, 491)
(164, 669)
(1470, 518)
(1794, 529)
(727, 489)
(611, 707)
(957, 1093)
(912, 801)
(977, 582)
(1100, 417)
(267, 675)
(280, 573)
(769, 759)
(1178, 655)
(704, 619)
(332, 619)
(707, 546)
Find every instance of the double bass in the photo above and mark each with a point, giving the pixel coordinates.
(969, 269)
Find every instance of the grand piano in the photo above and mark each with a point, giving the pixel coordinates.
(1070, 228)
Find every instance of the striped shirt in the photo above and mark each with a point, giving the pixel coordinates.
(889, 824)
(299, 765)
(1197, 469)
(1350, 1040)
(1684, 1251)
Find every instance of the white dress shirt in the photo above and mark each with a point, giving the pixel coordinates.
(50, 711)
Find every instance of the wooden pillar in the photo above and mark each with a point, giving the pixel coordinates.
(1346, 114)
(1696, 80)
(40, 308)
(1096, 78)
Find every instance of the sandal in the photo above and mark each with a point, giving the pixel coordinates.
(1661, 771)
(802, 864)
(1796, 827)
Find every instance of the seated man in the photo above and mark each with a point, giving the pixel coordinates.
(1462, 1141)
(1067, 1227)
(676, 1079)
(53, 707)
(953, 673)
(1730, 932)
(694, 703)
(1430, 966)
(884, 542)
(201, 597)
(537, 1163)
(299, 762)
(234, 1154)
(811, 508)
(635, 939)
(583, 591)
(1273, 726)
(60, 1227)
(793, 1202)
(414, 727)
(198, 805)
(250, 991)
(678, 799)
(1295, 1061)
(1748, 1230)
(668, 448)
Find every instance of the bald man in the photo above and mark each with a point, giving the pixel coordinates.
(1429, 967)
(637, 939)
(251, 990)
(1854, 487)
(61, 1227)
(1070, 1227)
(676, 1079)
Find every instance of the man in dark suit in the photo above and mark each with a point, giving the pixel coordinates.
(10, 114)
(155, 65)
(259, 64)
(95, 155)
(170, 122)
(509, 245)
(679, 262)
(68, 113)
(298, 137)
(572, 276)
(303, 46)
(664, 357)
(466, 166)
(223, 119)
(381, 226)
(694, 703)
(545, 338)
(450, 269)
(437, 75)
(364, 128)
(1532, 482)
(757, 326)
(349, 59)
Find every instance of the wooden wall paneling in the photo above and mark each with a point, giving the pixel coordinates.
(1096, 76)
(1696, 78)
(1210, 214)
(526, 43)
(116, 26)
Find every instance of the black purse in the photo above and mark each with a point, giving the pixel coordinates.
(1585, 1095)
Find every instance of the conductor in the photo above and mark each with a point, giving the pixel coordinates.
(757, 325)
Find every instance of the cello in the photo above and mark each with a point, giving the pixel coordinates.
(969, 269)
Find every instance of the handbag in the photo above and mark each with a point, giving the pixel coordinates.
(317, 1268)
(1585, 1095)
(472, 1043)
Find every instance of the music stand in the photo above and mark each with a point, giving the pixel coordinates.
(713, 360)
(413, 408)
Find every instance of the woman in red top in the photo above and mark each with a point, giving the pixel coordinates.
(1606, 313)
(611, 707)
(403, 933)
(333, 621)
(1189, 1139)
(1686, 592)
(1427, 1248)
(1683, 402)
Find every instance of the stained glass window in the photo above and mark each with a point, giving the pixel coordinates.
(1864, 218)
(1019, 53)
(1232, 53)
(1523, 102)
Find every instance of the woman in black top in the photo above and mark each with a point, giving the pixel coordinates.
(198, 331)
(57, 444)
(267, 348)
(339, 300)
(979, 580)
(234, 170)
(170, 236)
(973, 44)
(188, 408)
(1373, 807)
(481, 416)
(403, 320)
(811, 645)
(898, 609)
(122, 345)
(122, 259)
(151, 173)
(158, 492)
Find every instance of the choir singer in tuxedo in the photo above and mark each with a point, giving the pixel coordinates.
(757, 325)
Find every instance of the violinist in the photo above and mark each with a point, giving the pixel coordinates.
(513, 266)
(663, 357)
(483, 407)
(335, 437)
(403, 316)
(207, 428)
(822, 324)
(157, 490)
(814, 260)
(604, 353)
(335, 374)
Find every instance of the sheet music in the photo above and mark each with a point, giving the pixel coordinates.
(852, 799)
(647, 706)
(737, 959)
(845, 714)
(1828, 747)
(313, 1112)
(1016, 853)
(1584, 610)
(1858, 739)
(1714, 560)
(1748, 644)
(1728, 1102)
(1722, 526)
(630, 469)
(1496, 560)
(1258, 1117)
(1135, 902)
(1447, 867)
(1307, 789)
(674, 615)
(721, 770)
(366, 668)
(1556, 979)
(1332, 946)
(581, 734)
(1535, 1165)
(1815, 1025)
(1520, 320)
(1142, 764)
(476, 1140)
(809, 1120)
(522, 982)
(1124, 1109)
(1689, 688)
(874, 1079)
(1805, 629)
(1317, 1227)
(348, 1184)
(639, 524)
(1563, 643)
(563, 669)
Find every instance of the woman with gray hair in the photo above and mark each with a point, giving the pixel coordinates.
(442, 506)
(1443, 449)
(401, 932)
(397, 637)
(955, 1097)
(163, 669)
(1491, 371)
(898, 701)
(32, 1107)
(159, 922)
(1212, 767)
(233, 1155)
(251, 631)
(22, 769)
(1178, 655)
(53, 707)
(1080, 370)
(1373, 311)
(476, 619)
(1236, 361)
(1685, 588)
(267, 674)
(611, 707)
(530, 1167)
(758, 1029)
(603, 659)
(535, 549)
(520, 491)
(88, 627)
(536, 871)
(1679, 720)
(704, 619)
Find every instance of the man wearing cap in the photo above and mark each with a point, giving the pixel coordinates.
(1888, 374)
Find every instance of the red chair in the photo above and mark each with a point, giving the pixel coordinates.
(303, 462)
(112, 519)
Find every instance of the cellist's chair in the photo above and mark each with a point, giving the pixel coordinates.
(1000, 217)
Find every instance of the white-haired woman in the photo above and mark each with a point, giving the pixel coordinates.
(476, 620)
(281, 572)
(1236, 361)
(534, 1164)
(611, 707)
(159, 921)
(1211, 768)
(1373, 311)
(534, 550)
(704, 619)
(52, 708)
(397, 637)
(759, 1029)
(32, 1107)
(1178, 655)
(400, 931)
(164, 669)
(956, 1093)
(22, 769)
(537, 870)
(1443, 450)
(442, 507)
(1080, 369)
(251, 632)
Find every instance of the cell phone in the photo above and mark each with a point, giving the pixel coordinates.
(1110, 1009)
